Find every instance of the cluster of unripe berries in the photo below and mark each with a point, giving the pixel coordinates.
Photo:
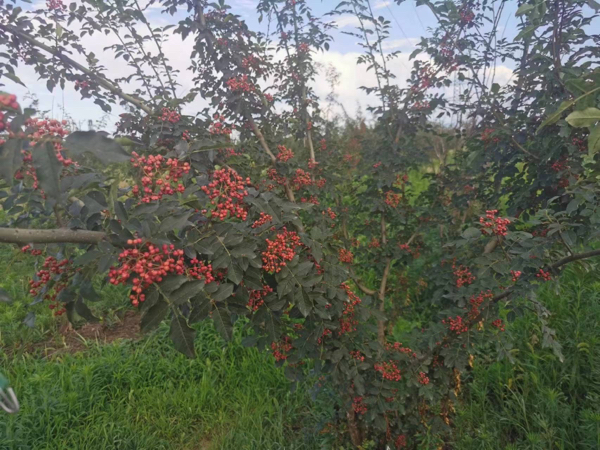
(492, 224)
(160, 176)
(280, 250)
(147, 264)
(168, 115)
(226, 193)
(463, 275)
(257, 297)
(285, 154)
(345, 256)
(388, 370)
(262, 220)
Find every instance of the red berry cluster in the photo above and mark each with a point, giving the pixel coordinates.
(345, 256)
(392, 199)
(463, 275)
(401, 441)
(285, 154)
(457, 325)
(251, 62)
(348, 322)
(515, 275)
(544, 275)
(579, 143)
(240, 84)
(226, 192)
(263, 219)
(467, 16)
(397, 347)
(218, 127)
(281, 348)
(149, 264)
(486, 136)
(8, 101)
(169, 115)
(323, 144)
(498, 323)
(52, 270)
(331, 213)
(301, 179)
(357, 355)
(257, 297)
(376, 165)
(227, 153)
(280, 251)
(423, 378)
(159, 176)
(375, 243)
(492, 224)
(388, 370)
(312, 199)
(55, 4)
(303, 48)
(560, 165)
(312, 164)
(476, 301)
(30, 250)
(419, 106)
(358, 406)
(269, 98)
(326, 332)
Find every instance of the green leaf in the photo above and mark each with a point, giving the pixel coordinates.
(154, 316)
(471, 233)
(48, 168)
(201, 307)
(222, 321)
(87, 258)
(172, 283)
(585, 118)
(185, 292)
(523, 9)
(183, 336)
(594, 140)
(175, 222)
(303, 302)
(235, 273)
(553, 118)
(82, 309)
(96, 143)
(224, 291)
(11, 159)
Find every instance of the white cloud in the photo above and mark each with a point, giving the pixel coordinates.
(246, 4)
(347, 21)
(400, 43)
(382, 4)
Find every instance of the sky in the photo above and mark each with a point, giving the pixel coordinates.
(409, 22)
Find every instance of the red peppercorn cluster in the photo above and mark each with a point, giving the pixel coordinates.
(348, 322)
(376, 165)
(457, 325)
(331, 213)
(218, 127)
(169, 115)
(397, 347)
(423, 378)
(463, 275)
(476, 301)
(401, 441)
(492, 224)
(240, 84)
(392, 199)
(285, 154)
(466, 16)
(358, 406)
(515, 275)
(226, 192)
(281, 348)
(580, 144)
(8, 101)
(303, 48)
(486, 136)
(273, 175)
(257, 297)
(388, 370)
(560, 165)
(280, 251)
(375, 243)
(357, 355)
(269, 98)
(323, 144)
(159, 176)
(326, 332)
(544, 275)
(498, 323)
(312, 199)
(301, 179)
(52, 270)
(312, 164)
(345, 256)
(263, 219)
(227, 153)
(30, 250)
(251, 62)
(55, 4)
(149, 264)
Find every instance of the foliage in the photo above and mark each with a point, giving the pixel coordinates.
(268, 228)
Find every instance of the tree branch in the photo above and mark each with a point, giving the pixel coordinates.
(56, 236)
(70, 62)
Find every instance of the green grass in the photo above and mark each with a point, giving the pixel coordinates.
(539, 402)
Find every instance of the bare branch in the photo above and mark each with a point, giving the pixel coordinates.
(56, 236)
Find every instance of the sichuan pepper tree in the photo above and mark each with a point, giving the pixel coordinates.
(281, 223)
